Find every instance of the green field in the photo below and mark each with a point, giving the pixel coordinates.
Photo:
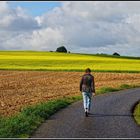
(33, 60)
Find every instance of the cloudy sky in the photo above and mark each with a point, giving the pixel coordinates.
(81, 26)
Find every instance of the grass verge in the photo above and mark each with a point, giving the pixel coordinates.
(23, 124)
(68, 70)
(136, 113)
(111, 89)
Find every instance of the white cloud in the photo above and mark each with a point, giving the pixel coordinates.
(3, 6)
(46, 39)
(15, 19)
(86, 26)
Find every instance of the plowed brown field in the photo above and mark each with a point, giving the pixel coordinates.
(21, 88)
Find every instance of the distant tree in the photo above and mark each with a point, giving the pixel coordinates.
(61, 49)
(116, 54)
(104, 54)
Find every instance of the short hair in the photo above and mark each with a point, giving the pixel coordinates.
(87, 70)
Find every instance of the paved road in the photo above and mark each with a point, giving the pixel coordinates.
(110, 118)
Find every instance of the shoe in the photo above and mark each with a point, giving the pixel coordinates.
(86, 114)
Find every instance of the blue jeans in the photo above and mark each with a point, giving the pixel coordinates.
(87, 100)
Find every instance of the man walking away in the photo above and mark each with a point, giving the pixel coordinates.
(87, 87)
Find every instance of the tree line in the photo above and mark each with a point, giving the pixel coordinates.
(64, 50)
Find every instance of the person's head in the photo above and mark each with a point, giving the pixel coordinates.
(87, 70)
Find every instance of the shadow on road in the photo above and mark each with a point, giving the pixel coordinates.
(110, 115)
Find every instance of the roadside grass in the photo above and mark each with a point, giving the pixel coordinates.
(111, 89)
(23, 124)
(136, 113)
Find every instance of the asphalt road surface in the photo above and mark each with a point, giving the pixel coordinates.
(110, 117)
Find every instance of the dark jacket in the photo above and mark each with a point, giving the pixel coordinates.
(87, 83)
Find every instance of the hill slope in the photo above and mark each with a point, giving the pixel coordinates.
(31, 60)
